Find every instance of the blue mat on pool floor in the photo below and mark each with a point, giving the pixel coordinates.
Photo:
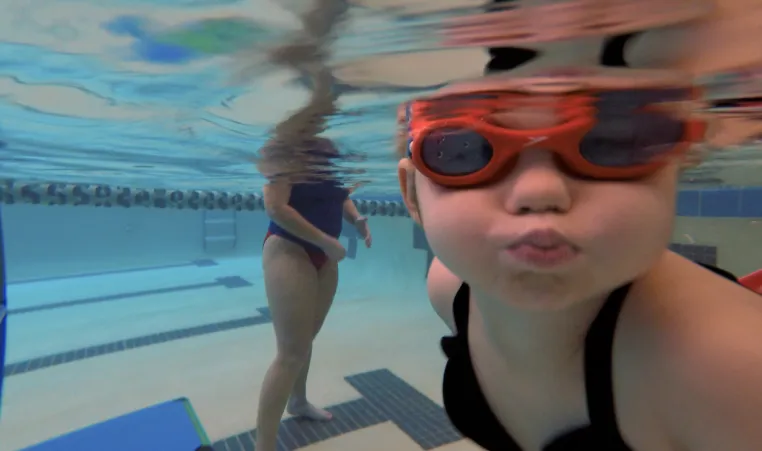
(170, 426)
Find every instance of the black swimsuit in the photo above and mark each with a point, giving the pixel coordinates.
(471, 415)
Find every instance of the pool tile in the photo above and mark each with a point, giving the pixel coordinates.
(751, 202)
(721, 203)
(688, 203)
(38, 363)
(696, 252)
(385, 397)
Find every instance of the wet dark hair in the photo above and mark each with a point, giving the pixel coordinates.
(503, 59)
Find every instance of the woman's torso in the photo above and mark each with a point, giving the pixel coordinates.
(321, 203)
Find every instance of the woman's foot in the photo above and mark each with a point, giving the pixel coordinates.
(307, 410)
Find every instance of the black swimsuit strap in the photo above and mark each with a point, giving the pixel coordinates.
(461, 386)
(460, 309)
(481, 425)
(599, 383)
(599, 343)
(599, 353)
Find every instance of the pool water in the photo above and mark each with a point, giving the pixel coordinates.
(132, 219)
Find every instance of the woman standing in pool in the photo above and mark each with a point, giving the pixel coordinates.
(300, 261)
(548, 200)
(306, 205)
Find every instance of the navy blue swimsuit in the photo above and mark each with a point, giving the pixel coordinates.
(321, 203)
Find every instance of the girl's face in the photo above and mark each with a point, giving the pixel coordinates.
(541, 237)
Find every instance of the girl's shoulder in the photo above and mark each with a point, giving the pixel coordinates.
(691, 339)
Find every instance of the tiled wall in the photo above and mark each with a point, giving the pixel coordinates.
(736, 242)
(420, 242)
(721, 227)
(730, 202)
(721, 203)
(696, 252)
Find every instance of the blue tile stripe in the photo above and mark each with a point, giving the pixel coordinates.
(47, 361)
(730, 202)
(197, 263)
(229, 282)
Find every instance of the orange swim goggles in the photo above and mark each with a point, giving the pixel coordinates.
(458, 141)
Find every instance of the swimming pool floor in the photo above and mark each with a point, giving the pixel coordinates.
(85, 349)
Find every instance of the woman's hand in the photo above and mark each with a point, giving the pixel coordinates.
(361, 224)
(333, 249)
(355, 187)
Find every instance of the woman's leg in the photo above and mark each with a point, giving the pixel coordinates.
(328, 277)
(291, 282)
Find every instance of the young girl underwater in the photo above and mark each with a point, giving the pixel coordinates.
(548, 196)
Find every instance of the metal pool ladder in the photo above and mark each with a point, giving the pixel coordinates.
(220, 231)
